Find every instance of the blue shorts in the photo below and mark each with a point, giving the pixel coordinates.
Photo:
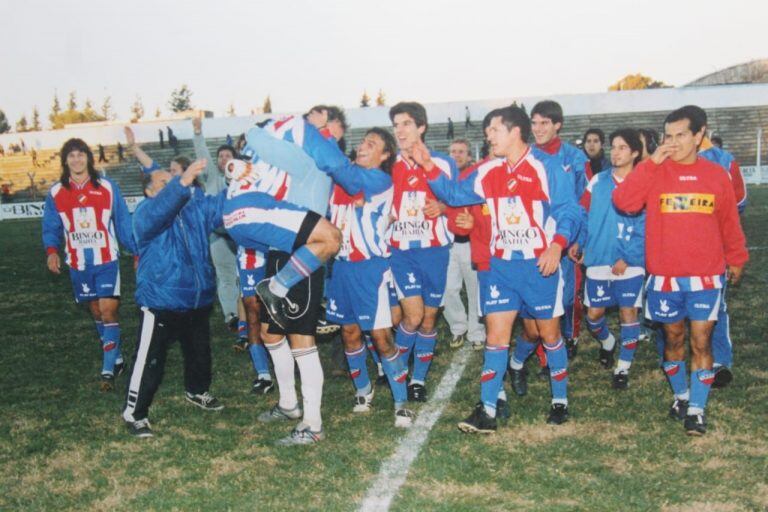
(393, 300)
(96, 282)
(358, 293)
(421, 273)
(517, 285)
(605, 293)
(249, 279)
(251, 269)
(256, 219)
(672, 307)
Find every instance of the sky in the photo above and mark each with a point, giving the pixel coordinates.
(302, 52)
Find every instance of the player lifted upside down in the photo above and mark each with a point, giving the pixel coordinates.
(88, 211)
(614, 255)
(534, 218)
(692, 233)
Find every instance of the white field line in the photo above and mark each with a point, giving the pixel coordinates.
(395, 469)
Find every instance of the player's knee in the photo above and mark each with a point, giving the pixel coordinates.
(327, 235)
(594, 314)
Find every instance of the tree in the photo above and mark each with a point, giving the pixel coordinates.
(181, 99)
(21, 124)
(637, 81)
(35, 120)
(4, 126)
(72, 102)
(106, 108)
(137, 109)
(231, 110)
(267, 107)
(89, 113)
(381, 99)
(365, 101)
(55, 110)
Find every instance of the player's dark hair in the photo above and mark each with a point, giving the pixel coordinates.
(461, 141)
(550, 110)
(632, 138)
(417, 112)
(595, 131)
(226, 147)
(695, 121)
(183, 161)
(77, 145)
(651, 139)
(390, 147)
(717, 141)
(146, 182)
(514, 117)
(487, 120)
(698, 112)
(337, 114)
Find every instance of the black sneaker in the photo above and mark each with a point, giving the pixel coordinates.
(478, 422)
(274, 304)
(502, 409)
(417, 393)
(232, 323)
(679, 409)
(572, 347)
(723, 377)
(519, 380)
(119, 368)
(241, 345)
(558, 414)
(620, 380)
(606, 357)
(543, 373)
(262, 386)
(204, 401)
(382, 380)
(140, 428)
(106, 382)
(695, 424)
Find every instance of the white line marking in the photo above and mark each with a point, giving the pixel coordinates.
(757, 248)
(394, 470)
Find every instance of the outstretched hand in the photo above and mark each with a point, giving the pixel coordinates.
(193, 171)
(130, 137)
(419, 153)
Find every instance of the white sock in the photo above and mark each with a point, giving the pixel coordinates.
(622, 366)
(515, 364)
(684, 396)
(277, 288)
(609, 343)
(282, 360)
(490, 411)
(502, 395)
(311, 373)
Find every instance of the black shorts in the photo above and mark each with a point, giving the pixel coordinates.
(305, 298)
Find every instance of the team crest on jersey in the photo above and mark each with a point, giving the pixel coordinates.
(412, 204)
(413, 180)
(424, 357)
(84, 224)
(567, 168)
(512, 218)
(560, 375)
(82, 198)
(512, 184)
(488, 374)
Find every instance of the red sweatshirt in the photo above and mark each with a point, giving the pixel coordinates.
(480, 235)
(692, 226)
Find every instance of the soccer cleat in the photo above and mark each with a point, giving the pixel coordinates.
(140, 429)
(417, 393)
(723, 377)
(620, 380)
(119, 368)
(204, 401)
(502, 409)
(262, 386)
(519, 380)
(679, 409)
(363, 403)
(277, 413)
(695, 425)
(478, 422)
(232, 323)
(301, 434)
(241, 345)
(273, 303)
(457, 341)
(558, 414)
(106, 382)
(478, 345)
(572, 347)
(382, 380)
(606, 357)
(404, 418)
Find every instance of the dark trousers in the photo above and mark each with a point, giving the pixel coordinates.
(158, 329)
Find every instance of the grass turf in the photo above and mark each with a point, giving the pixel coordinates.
(63, 445)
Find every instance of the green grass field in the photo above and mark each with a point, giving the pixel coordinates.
(63, 445)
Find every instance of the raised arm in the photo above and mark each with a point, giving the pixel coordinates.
(147, 164)
(122, 219)
(211, 178)
(453, 193)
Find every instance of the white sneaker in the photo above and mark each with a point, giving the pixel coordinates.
(301, 434)
(404, 418)
(363, 403)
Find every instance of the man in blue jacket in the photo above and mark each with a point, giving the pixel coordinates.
(175, 288)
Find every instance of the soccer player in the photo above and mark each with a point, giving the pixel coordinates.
(420, 243)
(534, 219)
(692, 234)
(594, 138)
(614, 255)
(463, 323)
(546, 122)
(175, 289)
(88, 212)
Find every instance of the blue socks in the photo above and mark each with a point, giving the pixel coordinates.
(110, 344)
(523, 349)
(423, 351)
(492, 377)
(678, 378)
(557, 359)
(99, 328)
(359, 371)
(701, 382)
(629, 335)
(242, 329)
(396, 371)
(259, 360)
(404, 339)
(302, 263)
